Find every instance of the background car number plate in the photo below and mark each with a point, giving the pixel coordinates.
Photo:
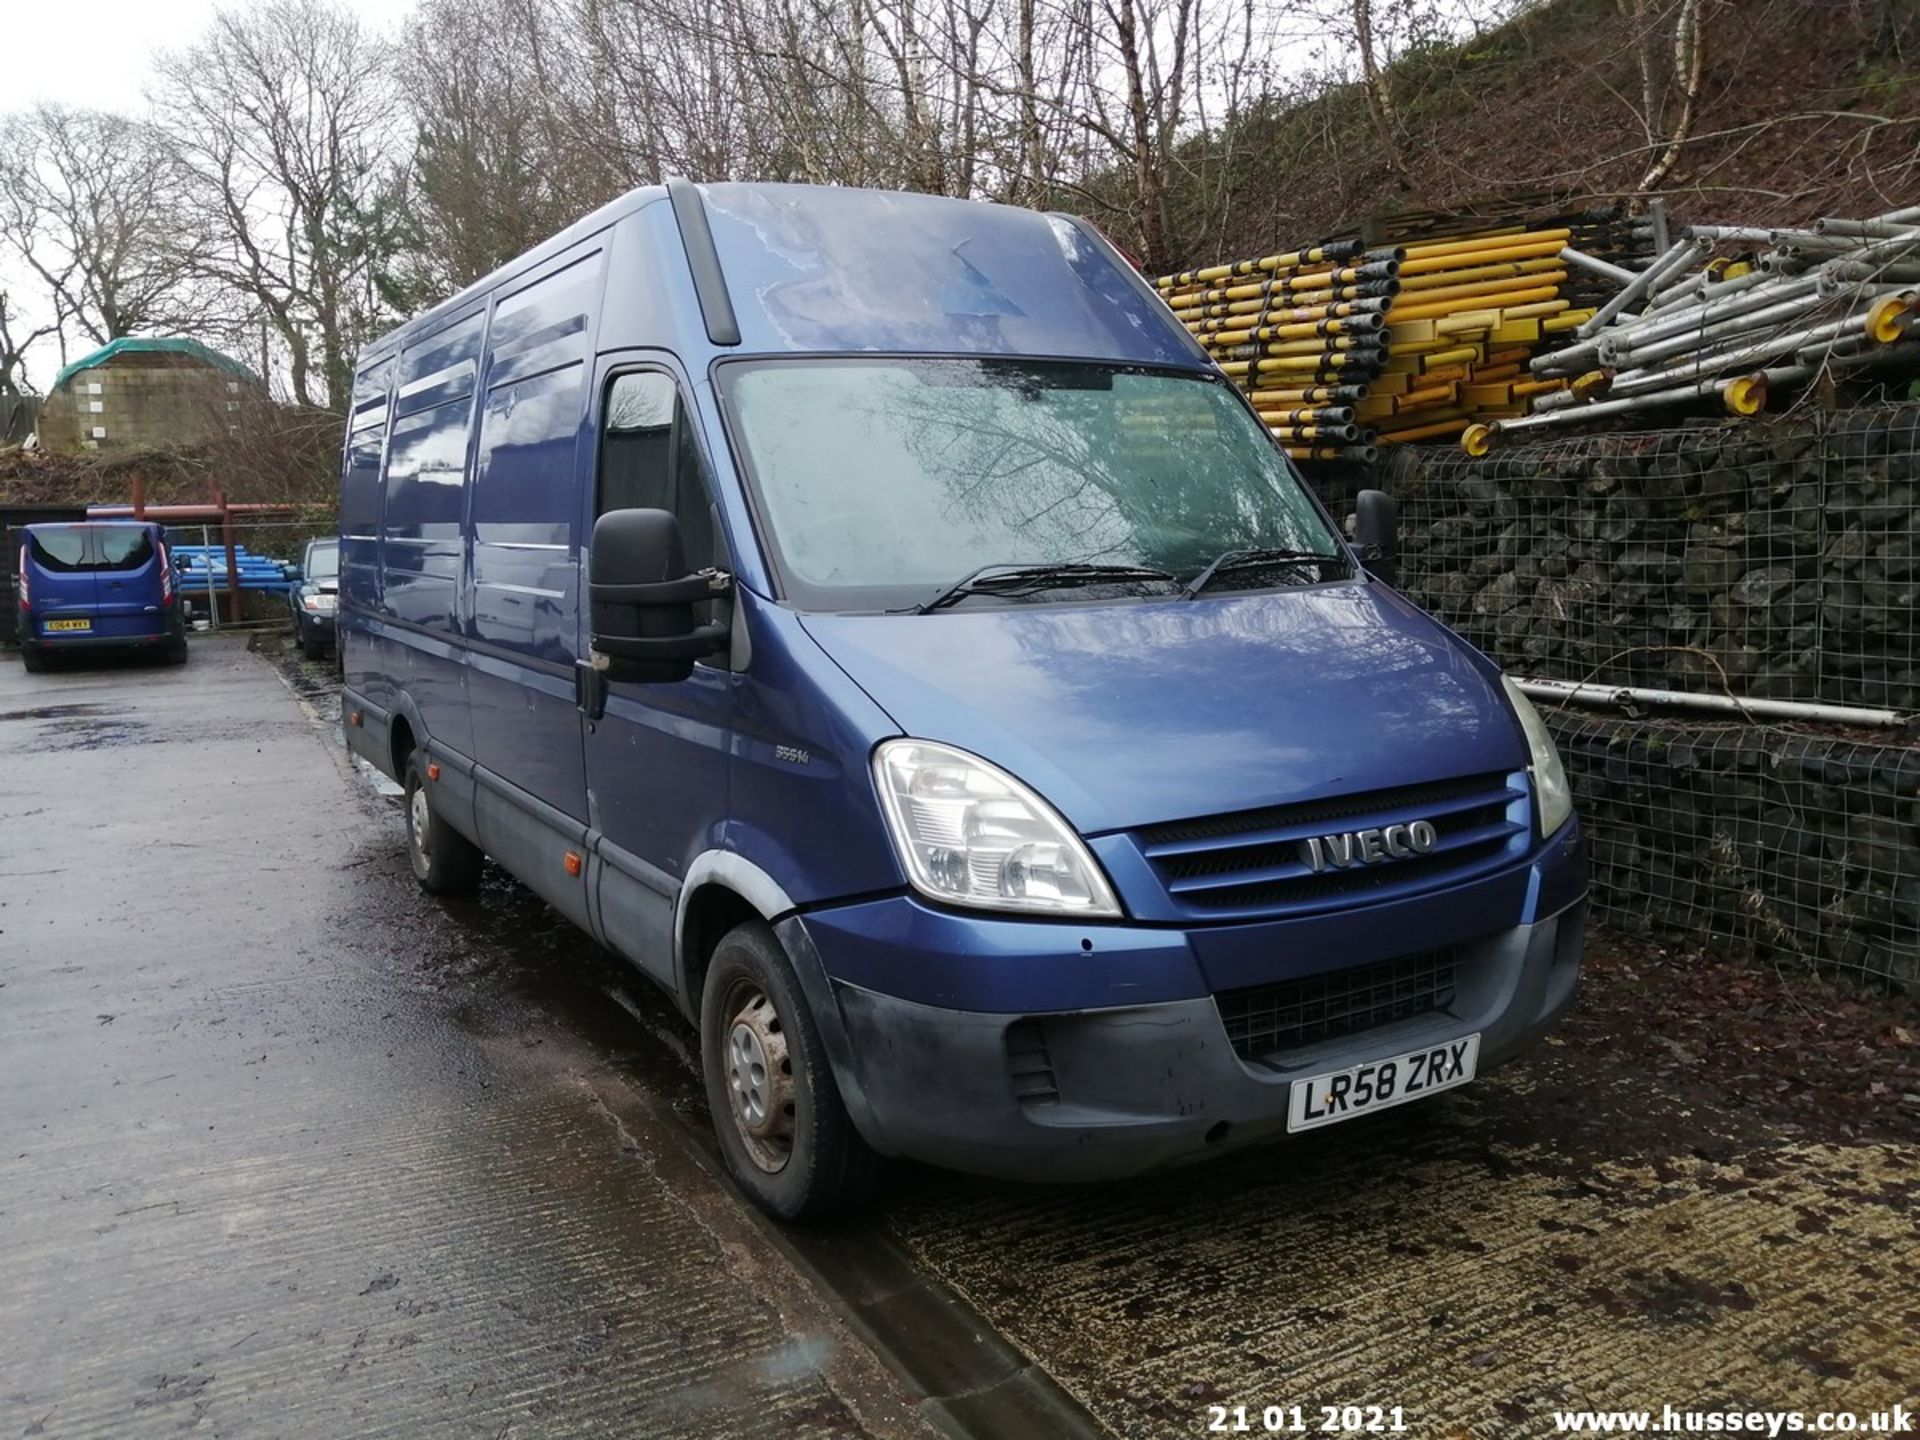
(1381, 1084)
(69, 624)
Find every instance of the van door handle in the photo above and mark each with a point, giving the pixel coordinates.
(589, 689)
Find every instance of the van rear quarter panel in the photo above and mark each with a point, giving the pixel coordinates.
(360, 504)
(422, 548)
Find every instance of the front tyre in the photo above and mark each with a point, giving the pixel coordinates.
(444, 861)
(783, 1128)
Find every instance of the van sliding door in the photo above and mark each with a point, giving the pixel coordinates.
(523, 632)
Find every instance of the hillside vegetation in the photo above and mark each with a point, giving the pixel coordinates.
(1804, 109)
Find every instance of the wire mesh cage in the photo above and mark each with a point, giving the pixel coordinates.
(1769, 840)
(1773, 561)
(1777, 561)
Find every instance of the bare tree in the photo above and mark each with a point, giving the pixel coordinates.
(1684, 73)
(89, 202)
(14, 387)
(1378, 83)
(496, 166)
(283, 117)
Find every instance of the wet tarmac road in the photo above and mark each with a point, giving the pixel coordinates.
(282, 1153)
(455, 1190)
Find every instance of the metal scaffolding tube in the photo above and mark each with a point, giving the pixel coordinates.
(1698, 319)
(1869, 229)
(1741, 234)
(1678, 256)
(1572, 414)
(1651, 350)
(1619, 274)
(1572, 359)
(1635, 382)
(1622, 696)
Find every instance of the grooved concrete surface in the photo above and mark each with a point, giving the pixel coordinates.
(276, 1161)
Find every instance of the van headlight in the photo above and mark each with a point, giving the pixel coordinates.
(1552, 796)
(968, 833)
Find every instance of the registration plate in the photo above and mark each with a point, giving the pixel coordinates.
(69, 624)
(1381, 1084)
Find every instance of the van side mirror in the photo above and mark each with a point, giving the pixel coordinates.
(642, 597)
(1376, 531)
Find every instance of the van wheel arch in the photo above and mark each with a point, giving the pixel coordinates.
(725, 889)
(400, 746)
(709, 913)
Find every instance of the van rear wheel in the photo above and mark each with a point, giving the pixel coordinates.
(784, 1131)
(32, 659)
(444, 861)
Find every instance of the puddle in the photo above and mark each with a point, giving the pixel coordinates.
(62, 712)
(93, 735)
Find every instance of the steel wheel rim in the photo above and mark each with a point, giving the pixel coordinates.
(417, 818)
(759, 1074)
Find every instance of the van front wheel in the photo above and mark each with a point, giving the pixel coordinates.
(444, 861)
(783, 1128)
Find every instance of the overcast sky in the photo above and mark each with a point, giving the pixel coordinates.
(99, 55)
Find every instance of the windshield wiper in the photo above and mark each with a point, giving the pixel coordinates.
(1253, 557)
(1026, 579)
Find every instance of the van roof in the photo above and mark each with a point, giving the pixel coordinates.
(821, 268)
(93, 525)
(830, 269)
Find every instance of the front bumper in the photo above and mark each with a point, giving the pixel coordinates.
(1141, 1074)
(87, 640)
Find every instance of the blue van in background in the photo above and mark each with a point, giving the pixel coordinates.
(91, 585)
(876, 618)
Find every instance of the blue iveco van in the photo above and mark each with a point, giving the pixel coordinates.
(875, 617)
(103, 584)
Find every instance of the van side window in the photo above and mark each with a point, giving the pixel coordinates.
(650, 458)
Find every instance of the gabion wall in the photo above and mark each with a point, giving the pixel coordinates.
(1769, 560)
(1777, 560)
(1778, 843)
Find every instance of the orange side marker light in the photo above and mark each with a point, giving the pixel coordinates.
(573, 862)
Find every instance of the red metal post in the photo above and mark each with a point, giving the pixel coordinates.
(233, 565)
(139, 495)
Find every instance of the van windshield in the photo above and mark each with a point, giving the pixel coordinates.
(883, 481)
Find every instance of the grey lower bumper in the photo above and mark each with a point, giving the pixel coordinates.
(1099, 1094)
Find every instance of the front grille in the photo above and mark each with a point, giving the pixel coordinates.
(1262, 1019)
(1251, 861)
